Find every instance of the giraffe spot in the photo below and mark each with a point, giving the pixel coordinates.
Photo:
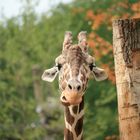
(87, 79)
(86, 71)
(83, 86)
(81, 106)
(85, 48)
(69, 117)
(67, 77)
(75, 109)
(78, 127)
(68, 134)
(81, 78)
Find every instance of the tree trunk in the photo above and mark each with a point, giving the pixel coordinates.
(36, 72)
(126, 45)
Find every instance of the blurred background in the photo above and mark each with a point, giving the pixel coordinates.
(31, 36)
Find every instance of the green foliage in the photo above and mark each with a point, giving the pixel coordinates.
(29, 40)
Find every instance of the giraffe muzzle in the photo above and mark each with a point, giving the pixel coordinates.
(71, 98)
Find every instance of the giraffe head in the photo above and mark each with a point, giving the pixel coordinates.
(74, 67)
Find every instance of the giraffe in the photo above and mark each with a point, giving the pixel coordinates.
(74, 67)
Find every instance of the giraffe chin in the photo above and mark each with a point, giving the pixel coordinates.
(71, 98)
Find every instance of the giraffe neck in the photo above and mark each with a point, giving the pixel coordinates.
(74, 122)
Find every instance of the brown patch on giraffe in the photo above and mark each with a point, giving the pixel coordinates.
(75, 109)
(67, 76)
(79, 126)
(87, 80)
(69, 117)
(84, 77)
(81, 106)
(68, 134)
(85, 84)
(85, 48)
(86, 70)
(67, 46)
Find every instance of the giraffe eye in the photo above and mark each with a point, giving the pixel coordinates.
(91, 66)
(59, 66)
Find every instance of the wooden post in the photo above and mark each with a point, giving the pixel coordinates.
(126, 45)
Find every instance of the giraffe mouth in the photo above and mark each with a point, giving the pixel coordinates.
(71, 98)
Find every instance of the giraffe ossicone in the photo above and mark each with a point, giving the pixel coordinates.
(74, 66)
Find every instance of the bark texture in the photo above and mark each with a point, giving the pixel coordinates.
(126, 45)
(37, 93)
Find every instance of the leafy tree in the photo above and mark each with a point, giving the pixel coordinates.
(28, 40)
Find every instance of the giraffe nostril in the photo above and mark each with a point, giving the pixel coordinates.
(70, 87)
(78, 87)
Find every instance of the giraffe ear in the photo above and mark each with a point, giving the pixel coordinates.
(99, 74)
(50, 74)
